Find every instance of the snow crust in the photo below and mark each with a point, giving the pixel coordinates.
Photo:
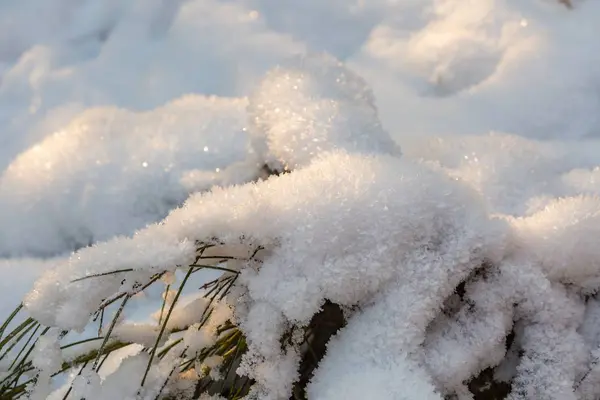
(425, 146)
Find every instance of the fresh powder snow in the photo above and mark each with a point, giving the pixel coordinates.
(430, 166)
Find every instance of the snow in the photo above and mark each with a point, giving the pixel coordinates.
(198, 336)
(111, 171)
(447, 67)
(517, 176)
(47, 354)
(314, 105)
(144, 334)
(423, 144)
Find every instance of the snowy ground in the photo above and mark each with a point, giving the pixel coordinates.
(113, 112)
(106, 127)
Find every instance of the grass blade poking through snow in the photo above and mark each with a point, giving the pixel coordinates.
(10, 318)
(164, 324)
(119, 271)
(16, 331)
(164, 303)
(37, 326)
(18, 339)
(108, 333)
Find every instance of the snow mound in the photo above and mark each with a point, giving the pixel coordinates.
(313, 105)
(112, 171)
(562, 238)
(398, 218)
(447, 67)
(137, 55)
(517, 176)
(466, 253)
(439, 255)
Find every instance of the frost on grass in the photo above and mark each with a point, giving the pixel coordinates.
(437, 258)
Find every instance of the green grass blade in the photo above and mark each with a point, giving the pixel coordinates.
(10, 318)
(16, 331)
(164, 302)
(18, 339)
(119, 271)
(113, 323)
(25, 346)
(164, 325)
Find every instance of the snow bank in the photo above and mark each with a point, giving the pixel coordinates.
(392, 236)
(137, 55)
(516, 176)
(447, 67)
(436, 67)
(440, 252)
(112, 171)
(387, 221)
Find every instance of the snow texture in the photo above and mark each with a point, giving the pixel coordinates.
(112, 171)
(484, 225)
(311, 106)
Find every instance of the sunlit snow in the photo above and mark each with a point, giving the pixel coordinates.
(425, 138)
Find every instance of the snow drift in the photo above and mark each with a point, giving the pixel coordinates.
(447, 254)
(388, 236)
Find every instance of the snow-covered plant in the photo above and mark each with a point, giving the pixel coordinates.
(405, 267)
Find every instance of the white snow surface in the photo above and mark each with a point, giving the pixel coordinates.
(310, 107)
(430, 142)
(112, 171)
